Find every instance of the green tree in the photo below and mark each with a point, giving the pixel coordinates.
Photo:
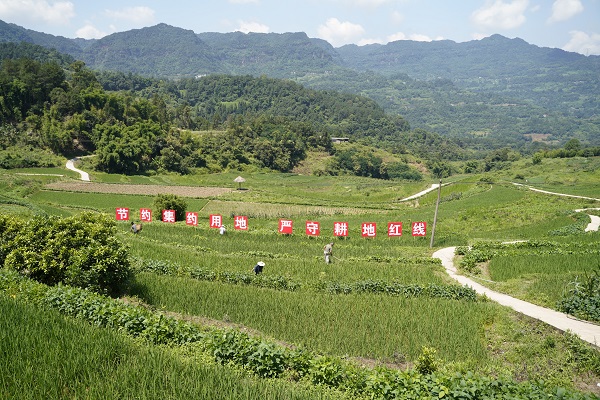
(170, 202)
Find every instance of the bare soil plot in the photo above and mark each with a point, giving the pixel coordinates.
(151, 190)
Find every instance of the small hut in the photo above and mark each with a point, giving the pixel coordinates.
(239, 181)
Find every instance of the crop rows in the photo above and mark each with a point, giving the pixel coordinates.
(269, 360)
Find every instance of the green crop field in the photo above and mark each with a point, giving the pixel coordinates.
(382, 302)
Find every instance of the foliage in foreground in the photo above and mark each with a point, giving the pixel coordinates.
(267, 359)
(91, 363)
(80, 251)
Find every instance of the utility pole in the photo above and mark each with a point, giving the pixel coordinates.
(437, 205)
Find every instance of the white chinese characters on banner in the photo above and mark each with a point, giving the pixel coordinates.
(285, 226)
(216, 220)
(122, 214)
(145, 215)
(419, 228)
(313, 228)
(168, 216)
(340, 229)
(240, 222)
(394, 229)
(191, 218)
(369, 229)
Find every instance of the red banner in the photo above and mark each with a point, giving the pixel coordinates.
(191, 218)
(419, 228)
(145, 215)
(168, 215)
(394, 228)
(369, 229)
(122, 214)
(285, 226)
(240, 222)
(216, 220)
(313, 228)
(340, 229)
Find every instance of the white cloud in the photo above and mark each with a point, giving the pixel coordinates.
(479, 36)
(583, 43)
(89, 31)
(138, 15)
(565, 9)
(366, 41)
(58, 12)
(249, 26)
(396, 36)
(417, 37)
(397, 17)
(339, 33)
(501, 14)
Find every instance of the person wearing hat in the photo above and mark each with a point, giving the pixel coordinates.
(328, 252)
(258, 268)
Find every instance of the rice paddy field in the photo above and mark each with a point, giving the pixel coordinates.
(195, 274)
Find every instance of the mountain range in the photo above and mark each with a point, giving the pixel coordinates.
(489, 88)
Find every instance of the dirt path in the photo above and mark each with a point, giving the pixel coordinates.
(424, 192)
(554, 193)
(586, 331)
(71, 165)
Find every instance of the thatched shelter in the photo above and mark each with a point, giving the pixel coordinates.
(239, 181)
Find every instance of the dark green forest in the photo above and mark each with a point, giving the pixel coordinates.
(51, 105)
(137, 125)
(471, 91)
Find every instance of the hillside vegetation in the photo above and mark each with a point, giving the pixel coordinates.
(466, 90)
(382, 321)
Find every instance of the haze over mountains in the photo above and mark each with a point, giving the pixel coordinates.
(495, 87)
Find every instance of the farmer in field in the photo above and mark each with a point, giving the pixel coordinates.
(135, 228)
(258, 268)
(222, 230)
(328, 252)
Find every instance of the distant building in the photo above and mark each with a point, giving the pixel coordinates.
(340, 139)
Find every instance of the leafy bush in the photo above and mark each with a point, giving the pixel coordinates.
(427, 362)
(581, 221)
(170, 202)
(28, 157)
(583, 299)
(80, 251)
(453, 292)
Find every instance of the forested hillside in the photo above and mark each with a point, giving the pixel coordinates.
(140, 125)
(471, 90)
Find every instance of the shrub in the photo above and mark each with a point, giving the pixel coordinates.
(170, 202)
(583, 300)
(80, 251)
(427, 363)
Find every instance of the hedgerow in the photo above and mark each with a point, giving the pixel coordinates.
(269, 360)
(279, 282)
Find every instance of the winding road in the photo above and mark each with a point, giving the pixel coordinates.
(588, 332)
(71, 165)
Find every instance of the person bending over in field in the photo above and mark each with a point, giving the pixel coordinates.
(328, 252)
(258, 268)
(135, 228)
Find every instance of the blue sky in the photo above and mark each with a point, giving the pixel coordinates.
(572, 25)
